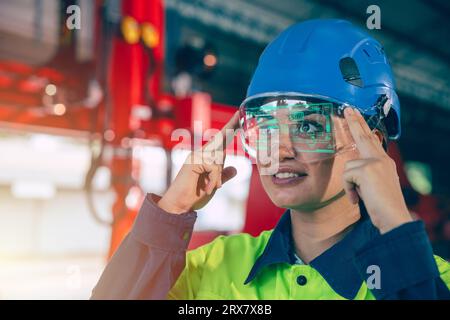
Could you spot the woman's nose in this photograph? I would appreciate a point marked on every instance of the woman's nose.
(285, 145)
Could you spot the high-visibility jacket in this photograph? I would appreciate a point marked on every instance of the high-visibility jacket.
(152, 263)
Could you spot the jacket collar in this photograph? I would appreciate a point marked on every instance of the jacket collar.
(335, 265)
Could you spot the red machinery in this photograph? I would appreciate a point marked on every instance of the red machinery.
(131, 87)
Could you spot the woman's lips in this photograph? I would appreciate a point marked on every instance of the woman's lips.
(288, 178)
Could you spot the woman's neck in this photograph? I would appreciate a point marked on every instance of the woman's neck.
(314, 232)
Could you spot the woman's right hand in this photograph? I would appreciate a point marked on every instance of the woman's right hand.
(201, 174)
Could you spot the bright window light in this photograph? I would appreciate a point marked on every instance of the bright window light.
(33, 190)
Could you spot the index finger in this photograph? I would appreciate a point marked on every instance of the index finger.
(361, 135)
(224, 136)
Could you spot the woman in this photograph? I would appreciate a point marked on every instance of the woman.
(346, 234)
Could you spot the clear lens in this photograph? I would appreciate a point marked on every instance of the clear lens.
(311, 126)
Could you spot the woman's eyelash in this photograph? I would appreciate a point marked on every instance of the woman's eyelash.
(313, 123)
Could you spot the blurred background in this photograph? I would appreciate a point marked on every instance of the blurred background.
(91, 91)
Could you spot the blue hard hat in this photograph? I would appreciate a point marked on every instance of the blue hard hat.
(330, 58)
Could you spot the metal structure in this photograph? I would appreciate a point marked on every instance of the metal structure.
(57, 97)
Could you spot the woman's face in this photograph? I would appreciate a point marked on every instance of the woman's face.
(306, 185)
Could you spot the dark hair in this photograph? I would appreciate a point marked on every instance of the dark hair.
(382, 128)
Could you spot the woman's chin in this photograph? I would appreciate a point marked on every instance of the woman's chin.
(288, 202)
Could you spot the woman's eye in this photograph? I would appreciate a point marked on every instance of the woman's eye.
(309, 127)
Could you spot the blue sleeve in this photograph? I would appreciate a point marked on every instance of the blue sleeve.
(407, 267)
(150, 258)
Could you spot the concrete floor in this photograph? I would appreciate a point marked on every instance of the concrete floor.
(50, 277)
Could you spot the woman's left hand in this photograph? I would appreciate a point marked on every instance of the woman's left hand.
(373, 177)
